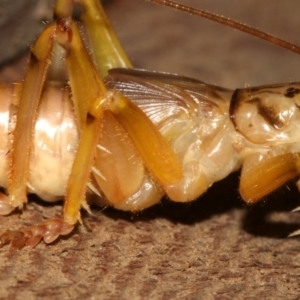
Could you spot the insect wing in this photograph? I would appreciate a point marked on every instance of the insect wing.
(163, 95)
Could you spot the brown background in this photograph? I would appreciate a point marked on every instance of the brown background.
(213, 248)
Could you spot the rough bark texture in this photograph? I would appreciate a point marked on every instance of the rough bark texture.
(213, 248)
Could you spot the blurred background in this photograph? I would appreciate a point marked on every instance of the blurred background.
(160, 38)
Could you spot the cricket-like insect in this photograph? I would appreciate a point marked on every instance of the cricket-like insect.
(134, 136)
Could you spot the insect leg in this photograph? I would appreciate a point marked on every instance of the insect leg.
(107, 50)
(26, 115)
(258, 179)
(91, 101)
(155, 151)
(19, 155)
(119, 170)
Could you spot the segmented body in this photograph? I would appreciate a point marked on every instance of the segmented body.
(213, 130)
(137, 135)
(55, 141)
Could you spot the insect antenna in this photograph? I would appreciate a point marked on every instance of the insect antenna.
(230, 23)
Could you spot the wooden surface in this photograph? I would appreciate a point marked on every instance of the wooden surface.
(213, 248)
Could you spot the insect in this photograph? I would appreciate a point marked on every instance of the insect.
(134, 136)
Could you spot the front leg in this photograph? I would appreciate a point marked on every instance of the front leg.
(91, 100)
(30, 237)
